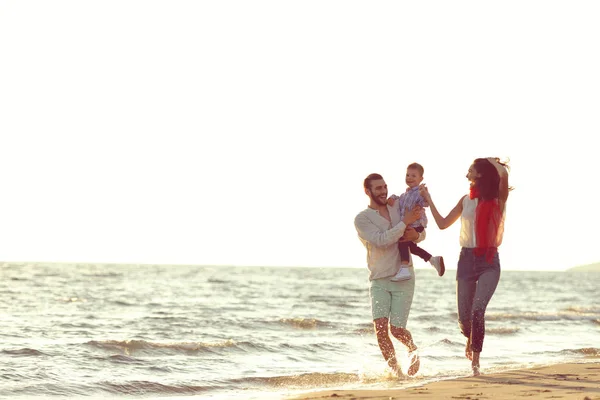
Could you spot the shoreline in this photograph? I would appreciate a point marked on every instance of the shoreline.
(566, 381)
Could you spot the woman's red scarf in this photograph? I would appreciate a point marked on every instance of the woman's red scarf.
(488, 218)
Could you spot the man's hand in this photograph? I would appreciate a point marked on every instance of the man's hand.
(413, 215)
(410, 235)
(391, 201)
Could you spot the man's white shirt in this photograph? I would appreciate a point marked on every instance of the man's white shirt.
(380, 237)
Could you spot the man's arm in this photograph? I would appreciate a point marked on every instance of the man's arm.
(369, 232)
(411, 235)
(422, 236)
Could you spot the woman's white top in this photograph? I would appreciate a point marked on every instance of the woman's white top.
(467, 224)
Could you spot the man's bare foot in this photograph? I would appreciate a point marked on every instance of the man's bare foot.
(476, 370)
(415, 363)
(395, 367)
(397, 372)
(468, 350)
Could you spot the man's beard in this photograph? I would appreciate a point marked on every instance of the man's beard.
(378, 201)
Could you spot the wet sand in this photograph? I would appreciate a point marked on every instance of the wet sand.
(561, 381)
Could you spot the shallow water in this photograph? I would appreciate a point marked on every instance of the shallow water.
(111, 331)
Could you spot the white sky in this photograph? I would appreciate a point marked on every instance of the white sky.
(239, 132)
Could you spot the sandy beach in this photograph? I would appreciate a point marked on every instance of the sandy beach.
(562, 381)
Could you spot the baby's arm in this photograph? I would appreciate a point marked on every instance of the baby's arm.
(392, 199)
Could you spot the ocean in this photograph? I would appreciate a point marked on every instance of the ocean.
(160, 331)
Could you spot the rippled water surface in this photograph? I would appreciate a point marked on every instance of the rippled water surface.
(111, 331)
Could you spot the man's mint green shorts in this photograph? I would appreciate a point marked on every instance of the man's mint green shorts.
(392, 299)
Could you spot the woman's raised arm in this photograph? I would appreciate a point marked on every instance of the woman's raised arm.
(452, 216)
(503, 172)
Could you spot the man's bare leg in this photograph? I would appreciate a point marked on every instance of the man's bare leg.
(385, 345)
(404, 336)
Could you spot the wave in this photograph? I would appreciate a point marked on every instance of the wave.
(216, 280)
(78, 325)
(315, 379)
(350, 305)
(542, 316)
(120, 358)
(443, 342)
(46, 390)
(145, 387)
(72, 300)
(358, 290)
(124, 303)
(583, 310)
(167, 318)
(501, 331)
(364, 331)
(24, 352)
(586, 351)
(348, 301)
(102, 275)
(129, 346)
(436, 317)
(304, 323)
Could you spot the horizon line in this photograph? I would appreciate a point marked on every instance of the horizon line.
(254, 265)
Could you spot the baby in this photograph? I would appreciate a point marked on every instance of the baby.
(407, 200)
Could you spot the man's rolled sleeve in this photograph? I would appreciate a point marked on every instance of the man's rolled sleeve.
(369, 232)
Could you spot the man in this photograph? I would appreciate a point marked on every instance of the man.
(379, 228)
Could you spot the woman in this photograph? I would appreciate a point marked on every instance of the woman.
(482, 225)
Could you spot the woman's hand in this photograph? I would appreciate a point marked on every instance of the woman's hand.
(423, 191)
(495, 161)
(502, 169)
(441, 222)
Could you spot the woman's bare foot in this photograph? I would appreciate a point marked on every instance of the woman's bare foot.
(415, 363)
(476, 371)
(468, 350)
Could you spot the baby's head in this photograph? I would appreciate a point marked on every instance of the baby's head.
(414, 175)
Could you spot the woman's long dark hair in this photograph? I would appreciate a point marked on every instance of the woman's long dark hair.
(488, 184)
